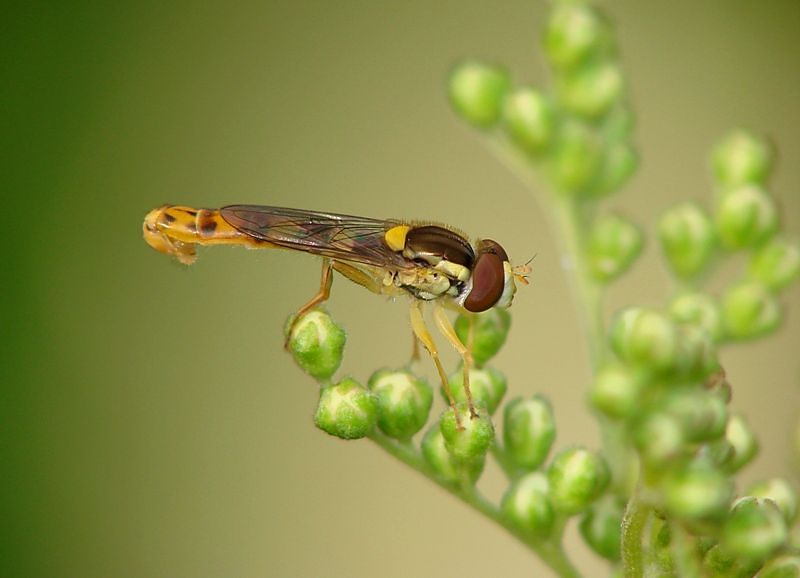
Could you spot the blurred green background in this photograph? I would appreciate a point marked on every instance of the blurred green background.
(152, 424)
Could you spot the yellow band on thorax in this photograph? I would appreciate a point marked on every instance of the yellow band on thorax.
(396, 237)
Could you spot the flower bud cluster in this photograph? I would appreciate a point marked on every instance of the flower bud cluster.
(745, 218)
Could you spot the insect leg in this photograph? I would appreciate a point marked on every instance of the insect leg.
(358, 276)
(446, 328)
(421, 331)
(322, 295)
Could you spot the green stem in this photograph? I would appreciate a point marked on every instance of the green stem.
(569, 221)
(550, 553)
(633, 524)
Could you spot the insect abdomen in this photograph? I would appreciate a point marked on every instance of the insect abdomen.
(175, 230)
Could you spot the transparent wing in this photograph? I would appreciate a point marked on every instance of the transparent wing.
(345, 237)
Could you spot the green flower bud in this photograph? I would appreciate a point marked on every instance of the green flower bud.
(703, 416)
(698, 493)
(317, 343)
(688, 238)
(472, 441)
(404, 402)
(779, 491)
(697, 356)
(781, 567)
(488, 335)
(529, 119)
(744, 442)
(527, 505)
(698, 309)
(618, 164)
(741, 158)
(776, 264)
(346, 410)
(720, 561)
(573, 34)
(718, 452)
(644, 337)
(746, 216)
(601, 527)
(660, 440)
(576, 158)
(614, 243)
(477, 92)
(749, 310)
(529, 429)
(435, 453)
(617, 390)
(577, 478)
(754, 529)
(487, 385)
(591, 91)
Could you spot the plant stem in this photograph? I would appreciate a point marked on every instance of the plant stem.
(568, 223)
(550, 552)
(633, 524)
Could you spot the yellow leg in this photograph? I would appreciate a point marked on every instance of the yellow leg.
(446, 328)
(322, 295)
(421, 331)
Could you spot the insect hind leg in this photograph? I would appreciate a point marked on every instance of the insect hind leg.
(322, 295)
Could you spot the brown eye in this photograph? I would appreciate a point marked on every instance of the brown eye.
(489, 246)
(488, 281)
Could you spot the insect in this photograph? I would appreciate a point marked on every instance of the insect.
(428, 262)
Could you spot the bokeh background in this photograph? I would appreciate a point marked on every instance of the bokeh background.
(152, 424)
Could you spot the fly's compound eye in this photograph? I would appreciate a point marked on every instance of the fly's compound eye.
(488, 281)
(489, 246)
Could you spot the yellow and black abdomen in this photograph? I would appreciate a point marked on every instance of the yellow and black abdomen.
(175, 230)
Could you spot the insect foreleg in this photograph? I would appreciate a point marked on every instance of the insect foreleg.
(421, 331)
(446, 328)
(322, 295)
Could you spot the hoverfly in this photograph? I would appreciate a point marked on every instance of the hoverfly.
(428, 262)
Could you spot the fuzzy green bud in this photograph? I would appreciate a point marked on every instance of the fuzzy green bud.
(697, 356)
(617, 390)
(487, 385)
(591, 91)
(577, 478)
(698, 309)
(660, 439)
(702, 415)
(529, 119)
(779, 491)
(776, 264)
(614, 243)
(576, 158)
(619, 163)
(346, 410)
(741, 158)
(644, 337)
(527, 505)
(745, 217)
(529, 429)
(472, 441)
(781, 567)
(688, 238)
(435, 453)
(477, 92)
(601, 527)
(699, 493)
(749, 310)
(404, 402)
(743, 441)
(754, 530)
(317, 343)
(574, 33)
(489, 333)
